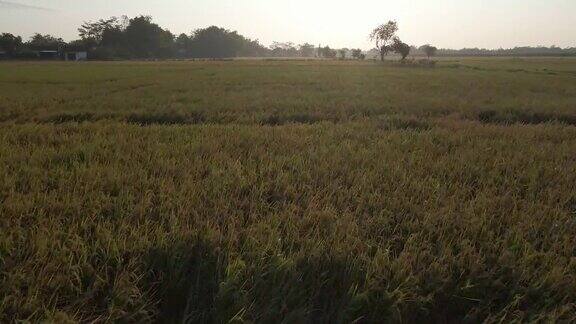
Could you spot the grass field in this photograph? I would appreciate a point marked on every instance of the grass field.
(268, 191)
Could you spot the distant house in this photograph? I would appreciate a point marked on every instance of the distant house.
(75, 55)
(75, 52)
(48, 55)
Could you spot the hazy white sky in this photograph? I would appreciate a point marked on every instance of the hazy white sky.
(337, 23)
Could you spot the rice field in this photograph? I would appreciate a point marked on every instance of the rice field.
(257, 191)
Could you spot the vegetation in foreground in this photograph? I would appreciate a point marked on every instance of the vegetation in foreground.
(297, 191)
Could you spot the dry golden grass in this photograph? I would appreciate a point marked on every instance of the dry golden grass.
(259, 191)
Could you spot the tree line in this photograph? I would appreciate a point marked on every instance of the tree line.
(140, 38)
(516, 51)
(387, 42)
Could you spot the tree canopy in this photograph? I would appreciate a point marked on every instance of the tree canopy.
(9, 43)
(383, 35)
(401, 48)
(45, 42)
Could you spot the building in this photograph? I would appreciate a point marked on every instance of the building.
(48, 55)
(75, 56)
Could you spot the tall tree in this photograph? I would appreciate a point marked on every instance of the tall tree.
(10, 43)
(95, 31)
(383, 36)
(146, 39)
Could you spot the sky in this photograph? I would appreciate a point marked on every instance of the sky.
(337, 23)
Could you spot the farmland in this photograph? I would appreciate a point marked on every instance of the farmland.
(296, 191)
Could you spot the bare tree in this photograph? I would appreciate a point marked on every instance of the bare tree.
(383, 36)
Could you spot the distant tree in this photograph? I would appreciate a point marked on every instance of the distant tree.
(342, 53)
(112, 44)
(401, 48)
(114, 38)
(327, 52)
(76, 45)
(215, 42)
(287, 49)
(383, 36)
(146, 39)
(357, 54)
(306, 50)
(45, 42)
(95, 31)
(183, 45)
(429, 50)
(10, 43)
(250, 48)
(331, 53)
